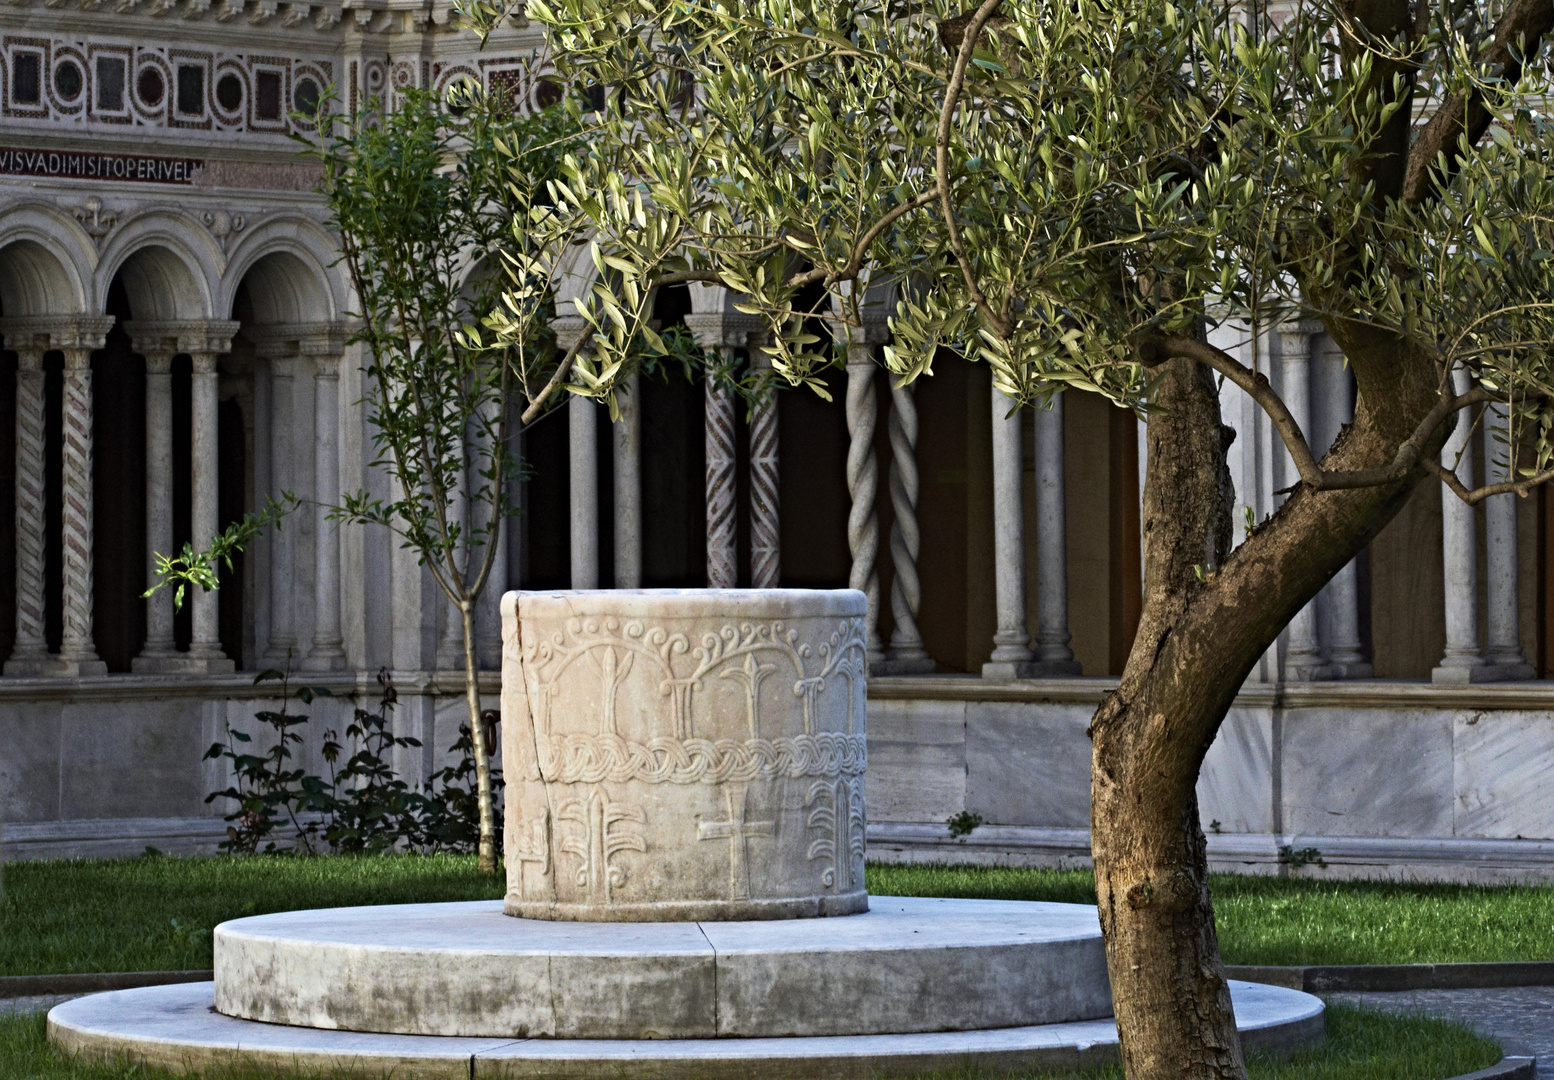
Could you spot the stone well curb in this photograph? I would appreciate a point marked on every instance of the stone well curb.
(1507, 1068)
(1354, 978)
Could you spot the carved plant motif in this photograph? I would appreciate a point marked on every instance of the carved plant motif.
(601, 840)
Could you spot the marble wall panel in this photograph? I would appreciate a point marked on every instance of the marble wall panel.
(1503, 762)
(1367, 772)
(917, 760)
(133, 759)
(1028, 764)
(1235, 786)
(29, 762)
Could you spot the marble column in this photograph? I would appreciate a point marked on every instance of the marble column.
(628, 484)
(1463, 662)
(30, 655)
(1012, 655)
(1504, 651)
(1053, 656)
(205, 643)
(1345, 650)
(583, 461)
(160, 653)
(765, 525)
(722, 537)
(327, 652)
(76, 646)
(493, 534)
(906, 655)
(1303, 660)
(863, 488)
(283, 634)
(719, 330)
(450, 645)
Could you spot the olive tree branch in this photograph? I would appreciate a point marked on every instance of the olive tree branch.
(1255, 385)
(952, 91)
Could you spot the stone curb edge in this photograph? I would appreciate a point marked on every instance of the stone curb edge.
(1508, 1068)
(16, 986)
(1313, 980)
(1383, 977)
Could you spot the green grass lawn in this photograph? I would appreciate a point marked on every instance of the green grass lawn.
(1360, 1045)
(156, 913)
(1266, 920)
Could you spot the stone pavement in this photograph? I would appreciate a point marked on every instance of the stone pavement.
(1522, 1018)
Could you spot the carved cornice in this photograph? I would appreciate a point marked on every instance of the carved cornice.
(283, 342)
(194, 337)
(46, 332)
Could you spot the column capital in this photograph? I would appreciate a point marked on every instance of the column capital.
(285, 341)
(719, 330)
(860, 312)
(1296, 334)
(48, 332)
(187, 336)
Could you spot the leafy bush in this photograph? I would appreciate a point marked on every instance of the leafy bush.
(362, 806)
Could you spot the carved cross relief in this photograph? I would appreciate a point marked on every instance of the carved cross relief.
(737, 831)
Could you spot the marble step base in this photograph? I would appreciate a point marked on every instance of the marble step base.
(176, 1027)
(465, 969)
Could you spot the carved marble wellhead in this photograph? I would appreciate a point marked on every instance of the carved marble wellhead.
(684, 754)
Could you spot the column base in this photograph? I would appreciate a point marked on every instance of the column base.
(1308, 672)
(1512, 670)
(326, 658)
(1465, 674)
(1356, 670)
(903, 665)
(182, 664)
(1030, 669)
(52, 665)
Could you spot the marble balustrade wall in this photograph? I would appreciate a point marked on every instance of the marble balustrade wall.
(1404, 781)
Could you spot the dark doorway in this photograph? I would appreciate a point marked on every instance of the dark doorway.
(118, 494)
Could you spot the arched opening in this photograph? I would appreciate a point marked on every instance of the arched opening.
(266, 422)
(33, 282)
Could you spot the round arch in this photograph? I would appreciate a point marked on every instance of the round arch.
(169, 263)
(35, 280)
(284, 267)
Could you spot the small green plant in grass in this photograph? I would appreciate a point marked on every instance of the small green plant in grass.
(963, 824)
(1296, 858)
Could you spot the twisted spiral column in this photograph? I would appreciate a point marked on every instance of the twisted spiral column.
(76, 646)
(862, 486)
(906, 655)
(722, 548)
(765, 532)
(31, 648)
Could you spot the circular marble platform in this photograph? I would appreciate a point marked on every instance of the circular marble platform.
(467, 970)
(176, 1027)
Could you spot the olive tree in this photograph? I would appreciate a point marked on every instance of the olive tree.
(1070, 190)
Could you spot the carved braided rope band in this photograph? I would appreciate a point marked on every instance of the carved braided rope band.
(590, 759)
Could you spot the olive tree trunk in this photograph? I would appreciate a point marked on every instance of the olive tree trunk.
(1209, 614)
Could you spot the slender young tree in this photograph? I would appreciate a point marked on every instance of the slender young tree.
(1069, 190)
(424, 200)
(443, 217)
